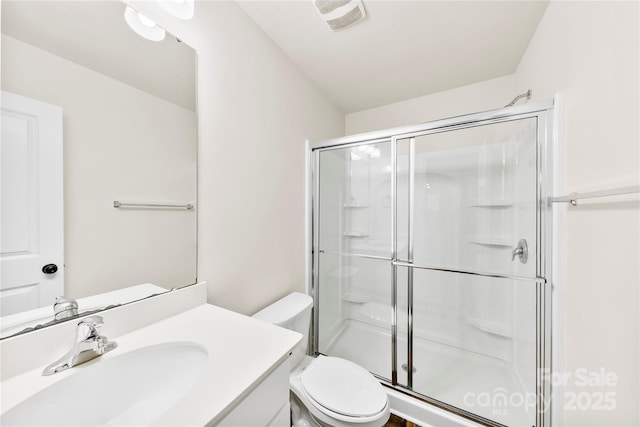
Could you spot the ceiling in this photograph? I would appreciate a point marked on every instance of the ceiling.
(402, 49)
(94, 34)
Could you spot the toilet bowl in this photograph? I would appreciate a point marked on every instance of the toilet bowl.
(325, 391)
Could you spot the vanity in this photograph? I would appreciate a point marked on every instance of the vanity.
(214, 367)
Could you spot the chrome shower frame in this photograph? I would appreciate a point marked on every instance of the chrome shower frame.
(544, 112)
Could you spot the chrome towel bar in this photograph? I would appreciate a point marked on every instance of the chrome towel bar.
(117, 204)
(574, 197)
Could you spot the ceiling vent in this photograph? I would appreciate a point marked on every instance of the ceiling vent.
(339, 14)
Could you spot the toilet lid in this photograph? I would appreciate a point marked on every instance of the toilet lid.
(343, 387)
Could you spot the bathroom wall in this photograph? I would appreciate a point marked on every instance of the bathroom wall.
(464, 100)
(255, 110)
(105, 248)
(588, 52)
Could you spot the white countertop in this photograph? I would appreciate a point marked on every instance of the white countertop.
(242, 352)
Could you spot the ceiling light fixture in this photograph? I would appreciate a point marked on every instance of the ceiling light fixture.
(339, 14)
(182, 9)
(143, 26)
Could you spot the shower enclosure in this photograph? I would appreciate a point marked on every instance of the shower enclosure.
(430, 260)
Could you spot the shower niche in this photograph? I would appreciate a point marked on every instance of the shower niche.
(430, 260)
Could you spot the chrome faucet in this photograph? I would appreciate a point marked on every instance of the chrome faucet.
(65, 308)
(88, 345)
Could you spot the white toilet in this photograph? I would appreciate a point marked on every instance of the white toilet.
(326, 391)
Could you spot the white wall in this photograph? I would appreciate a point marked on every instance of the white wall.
(119, 144)
(588, 52)
(482, 96)
(255, 110)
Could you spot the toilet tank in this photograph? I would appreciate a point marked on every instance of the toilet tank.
(292, 312)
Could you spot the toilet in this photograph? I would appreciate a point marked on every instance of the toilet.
(325, 391)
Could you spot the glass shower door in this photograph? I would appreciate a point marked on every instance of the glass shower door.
(474, 197)
(468, 275)
(353, 239)
(430, 261)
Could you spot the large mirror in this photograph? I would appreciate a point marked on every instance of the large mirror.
(99, 148)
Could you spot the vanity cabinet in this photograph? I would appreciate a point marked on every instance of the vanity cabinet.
(266, 405)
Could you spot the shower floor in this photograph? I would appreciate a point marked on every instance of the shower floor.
(474, 382)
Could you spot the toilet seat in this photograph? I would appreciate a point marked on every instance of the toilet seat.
(326, 417)
(342, 387)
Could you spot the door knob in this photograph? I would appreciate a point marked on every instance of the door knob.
(521, 251)
(49, 269)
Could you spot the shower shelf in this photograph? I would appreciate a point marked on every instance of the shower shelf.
(491, 327)
(355, 234)
(490, 203)
(489, 241)
(354, 206)
(355, 297)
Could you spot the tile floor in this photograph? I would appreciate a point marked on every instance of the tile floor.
(396, 421)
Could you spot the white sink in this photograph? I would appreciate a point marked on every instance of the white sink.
(132, 389)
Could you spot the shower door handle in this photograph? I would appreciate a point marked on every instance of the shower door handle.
(521, 251)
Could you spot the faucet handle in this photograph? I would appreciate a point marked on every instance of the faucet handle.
(100, 343)
(521, 251)
(92, 321)
(88, 327)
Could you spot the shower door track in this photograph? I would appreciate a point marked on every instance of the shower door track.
(510, 113)
(428, 400)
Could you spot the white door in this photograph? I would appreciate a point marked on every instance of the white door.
(32, 223)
